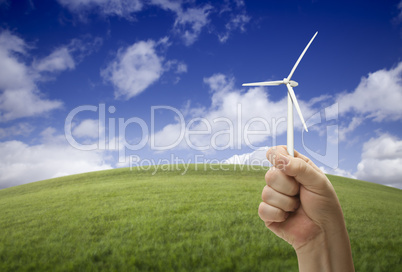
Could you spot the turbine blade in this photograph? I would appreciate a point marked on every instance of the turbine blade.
(294, 100)
(301, 56)
(265, 83)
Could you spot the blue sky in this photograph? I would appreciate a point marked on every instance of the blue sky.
(87, 85)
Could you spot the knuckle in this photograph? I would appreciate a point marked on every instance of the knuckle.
(270, 152)
(271, 177)
(301, 167)
(291, 205)
(294, 190)
(268, 223)
(270, 155)
(279, 215)
(287, 204)
(267, 175)
(265, 194)
(261, 210)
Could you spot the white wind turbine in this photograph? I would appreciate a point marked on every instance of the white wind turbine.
(291, 99)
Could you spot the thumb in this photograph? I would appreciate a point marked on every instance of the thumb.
(307, 175)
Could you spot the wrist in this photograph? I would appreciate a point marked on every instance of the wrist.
(314, 255)
(329, 251)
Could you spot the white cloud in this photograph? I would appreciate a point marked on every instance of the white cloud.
(24, 102)
(19, 95)
(381, 161)
(14, 73)
(59, 60)
(83, 46)
(378, 96)
(235, 16)
(338, 172)
(177, 67)
(181, 68)
(238, 21)
(134, 69)
(23, 129)
(168, 4)
(10, 42)
(257, 157)
(190, 20)
(344, 131)
(189, 23)
(239, 3)
(121, 8)
(53, 157)
(67, 57)
(88, 128)
(231, 113)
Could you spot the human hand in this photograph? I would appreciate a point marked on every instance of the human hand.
(300, 206)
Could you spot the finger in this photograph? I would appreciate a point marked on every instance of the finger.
(270, 213)
(278, 200)
(282, 183)
(273, 153)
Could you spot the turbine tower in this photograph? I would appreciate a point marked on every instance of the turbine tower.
(291, 99)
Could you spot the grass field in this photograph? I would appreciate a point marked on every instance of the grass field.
(205, 220)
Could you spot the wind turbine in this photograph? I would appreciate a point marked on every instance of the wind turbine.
(291, 99)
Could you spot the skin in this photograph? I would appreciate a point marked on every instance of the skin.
(301, 207)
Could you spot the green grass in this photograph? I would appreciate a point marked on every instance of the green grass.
(122, 220)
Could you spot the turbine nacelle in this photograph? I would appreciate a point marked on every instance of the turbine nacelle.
(293, 83)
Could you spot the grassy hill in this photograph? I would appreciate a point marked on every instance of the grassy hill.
(205, 220)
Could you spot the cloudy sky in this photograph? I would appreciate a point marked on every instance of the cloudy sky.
(87, 85)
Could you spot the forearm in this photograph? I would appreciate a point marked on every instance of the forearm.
(327, 252)
(316, 228)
